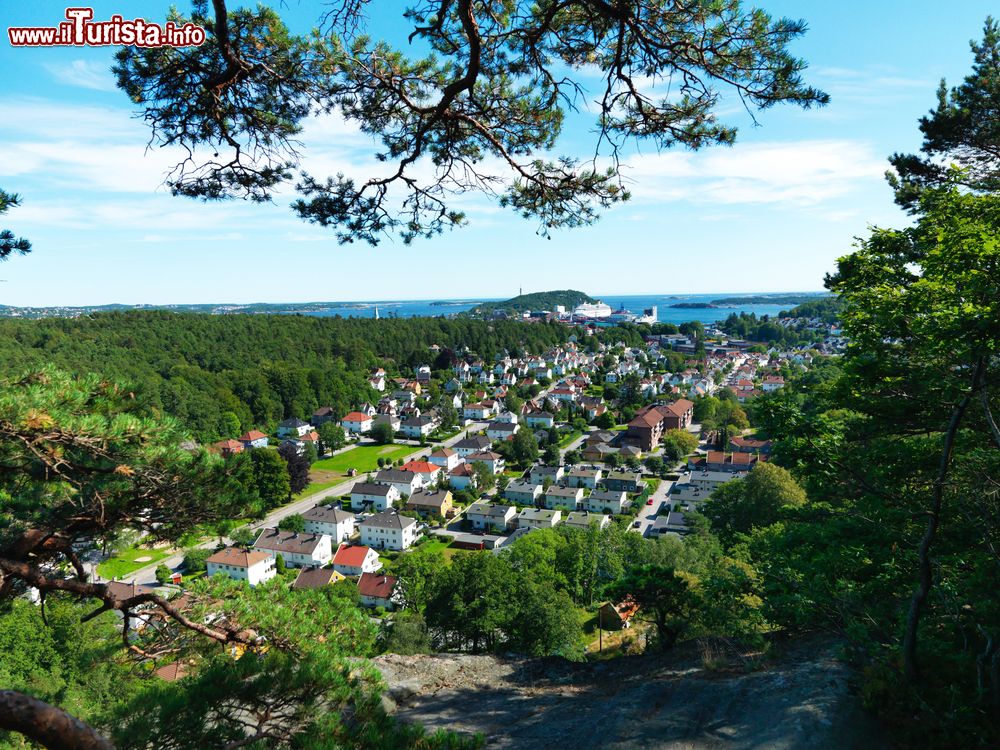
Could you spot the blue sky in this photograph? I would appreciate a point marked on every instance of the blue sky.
(771, 213)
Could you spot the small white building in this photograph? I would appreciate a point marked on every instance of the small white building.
(377, 496)
(603, 501)
(353, 561)
(485, 516)
(297, 550)
(405, 482)
(388, 530)
(523, 493)
(332, 520)
(566, 498)
(251, 566)
(534, 518)
(356, 423)
(582, 519)
(446, 458)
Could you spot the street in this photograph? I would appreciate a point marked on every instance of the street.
(148, 573)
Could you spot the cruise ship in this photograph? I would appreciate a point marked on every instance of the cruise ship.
(596, 310)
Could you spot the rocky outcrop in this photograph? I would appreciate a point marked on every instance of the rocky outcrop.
(798, 699)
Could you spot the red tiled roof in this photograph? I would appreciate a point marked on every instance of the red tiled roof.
(420, 467)
(252, 435)
(171, 672)
(356, 416)
(352, 556)
(376, 585)
(240, 558)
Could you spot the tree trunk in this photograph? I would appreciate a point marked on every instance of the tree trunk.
(47, 725)
(910, 666)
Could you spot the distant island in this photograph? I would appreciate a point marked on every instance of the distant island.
(693, 305)
(567, 298)
(769, 299)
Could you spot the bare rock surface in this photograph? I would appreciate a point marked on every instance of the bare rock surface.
(799, 698)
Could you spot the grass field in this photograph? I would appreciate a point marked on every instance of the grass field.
(569, 438)
(126, 561)
(364, 458)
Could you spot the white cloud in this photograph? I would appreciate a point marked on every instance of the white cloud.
(801, 173)
(86, 74)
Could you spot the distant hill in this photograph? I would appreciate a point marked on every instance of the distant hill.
(568, 298)
(770, 299)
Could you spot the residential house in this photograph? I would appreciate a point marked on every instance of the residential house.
(581, 477)
(772, 383)
(617, 616)
(540, 420)
(332, 520)
(535, 518)
(227, 448)
(477, 411)
(607, 501)
(253, 439)
(523, 493)
(646, 428)
(582, 519)
(501, 430)
(390, 419)
(298, 549)
(323, 415)
(251, 566)
(721, 461)
(418, 427)
(494, 461)
(563, 497)
(428, 472)
(678, 415)
(378, 590)
(461, 477)
(749, 445)
(315, 578)
(446, 458)
(355, 561)
(356, 423)
(376, 495)
(406, 482)
(629, 481)
(388, 530)
(540, 473)
(293, 428)
(431, 503)
(474, 444)
(485, 516)
(672, 523)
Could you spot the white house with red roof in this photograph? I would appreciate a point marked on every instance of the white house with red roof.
(356, 561)
(378, 590)
(356, 423)
(252, 566)
(253, 439)
(427, 471)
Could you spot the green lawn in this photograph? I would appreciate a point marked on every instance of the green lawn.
(364, 458)
(125, 562)
(435, 545)
(569, 438)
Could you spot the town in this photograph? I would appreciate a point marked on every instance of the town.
(483, 453)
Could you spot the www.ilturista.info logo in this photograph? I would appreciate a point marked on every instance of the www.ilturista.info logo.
(80, 30)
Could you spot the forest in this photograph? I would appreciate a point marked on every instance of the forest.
(224, 374)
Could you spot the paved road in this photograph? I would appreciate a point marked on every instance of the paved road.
(647, 513)
(148, 574)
